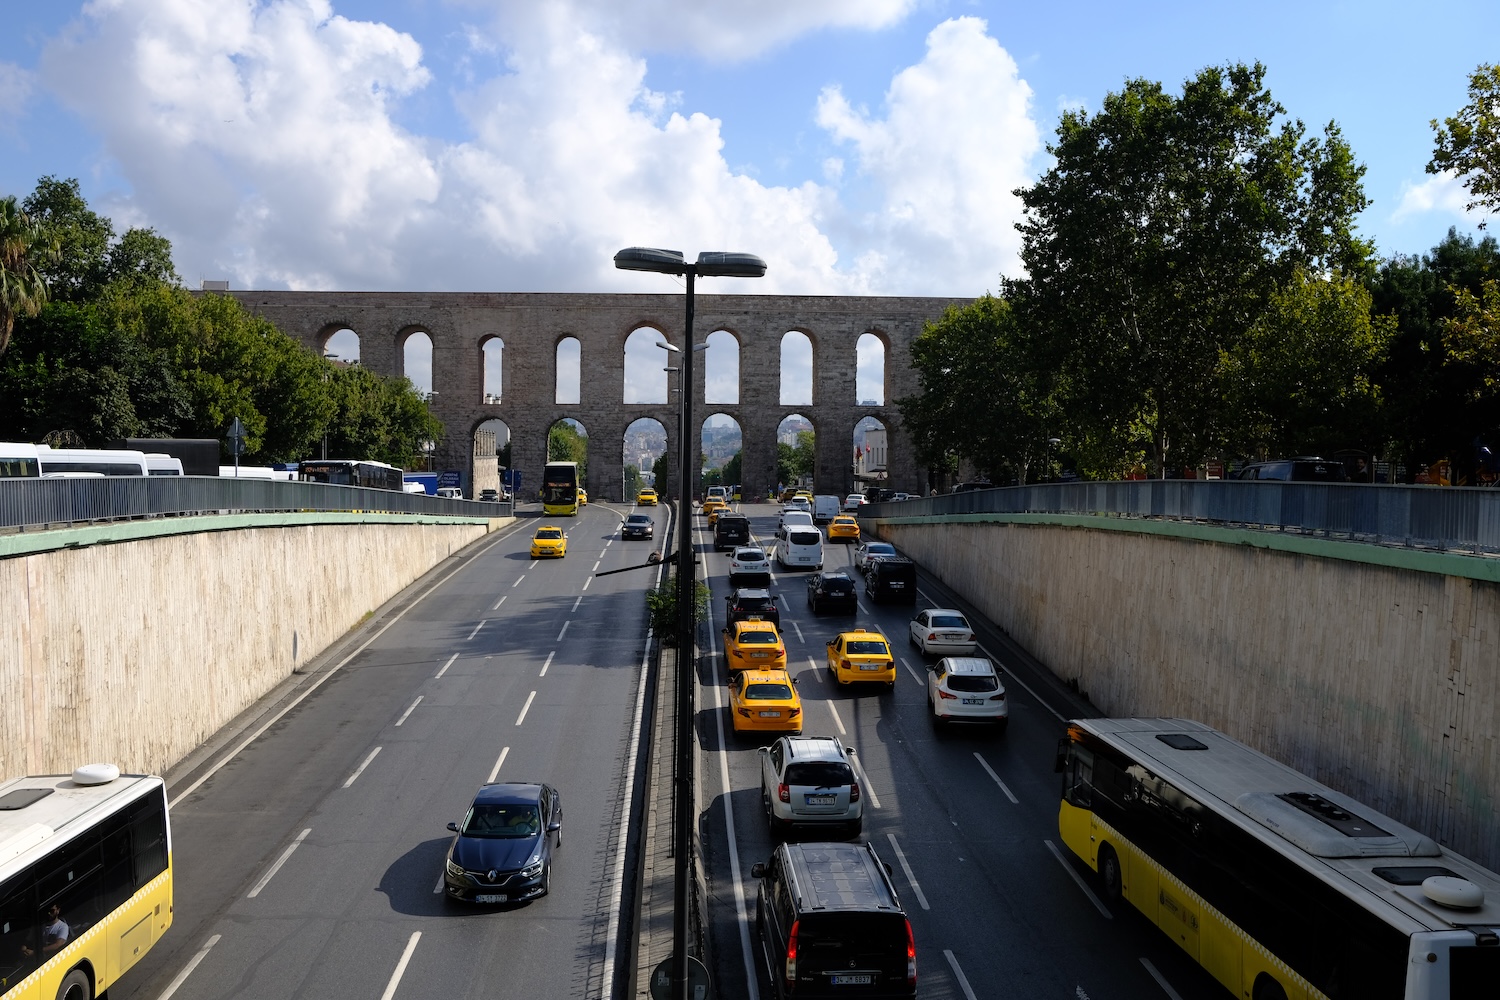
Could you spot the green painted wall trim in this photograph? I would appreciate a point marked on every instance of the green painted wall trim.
(31, 542)
(1473, 567)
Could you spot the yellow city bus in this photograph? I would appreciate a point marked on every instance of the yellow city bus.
(560, 489)
(1279, 886)
(85, 880)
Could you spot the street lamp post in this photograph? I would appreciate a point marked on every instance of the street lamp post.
(735, 265)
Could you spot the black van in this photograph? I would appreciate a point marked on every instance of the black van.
(891, 578)
(830, 924)
(731, 530)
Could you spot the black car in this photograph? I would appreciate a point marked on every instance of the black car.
(503, 851)
(891, 578)
(752, 602)
(830, 924)
(638, 526)
(731, 530)
(832, 591)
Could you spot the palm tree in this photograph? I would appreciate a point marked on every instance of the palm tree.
(22, 243)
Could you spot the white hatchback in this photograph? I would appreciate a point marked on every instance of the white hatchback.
(967, 689)
(943, 632)
(747, 561)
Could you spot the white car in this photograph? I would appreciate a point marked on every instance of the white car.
(854, 502)
(808, 781)
(868, 552)
(943, 632)
(799, 503)
(791, 518)
(967, 689)
(748, 561)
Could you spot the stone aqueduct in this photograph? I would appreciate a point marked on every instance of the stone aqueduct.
(531, 325)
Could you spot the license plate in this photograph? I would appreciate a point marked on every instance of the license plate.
(872, 666)
(820, 800)
(864, 979)
(896, 584)
(759, 656)
(489, 899)
(973, 701)
(953, 637)
(770, 715)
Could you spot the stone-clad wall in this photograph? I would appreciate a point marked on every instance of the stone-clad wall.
(1382, 682)
(136, 653)
(532, 324)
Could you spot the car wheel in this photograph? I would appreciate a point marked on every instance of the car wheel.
(546, 879)
(855, 828)
(75, 986)
(890, 686)
(1109, 873)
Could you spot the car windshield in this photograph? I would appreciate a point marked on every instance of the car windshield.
(502, 820)
(639, 519)
(949, 621)
(768, 692)
(867, 647)
(549, 533)
(758, 638)
(972, 683)
(819, 773)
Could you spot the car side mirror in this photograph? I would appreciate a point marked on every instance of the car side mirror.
(888, 869)
(553, 827)
(453, 827)
(758, 870)
(762, 749)
(1060, 762)
(932, 666)
(850, 751)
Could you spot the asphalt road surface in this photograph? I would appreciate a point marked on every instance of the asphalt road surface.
(308, 863)
(968, 821)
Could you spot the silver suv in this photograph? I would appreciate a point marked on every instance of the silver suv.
(808, 781)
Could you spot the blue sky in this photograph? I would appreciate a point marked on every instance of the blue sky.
(860, 146)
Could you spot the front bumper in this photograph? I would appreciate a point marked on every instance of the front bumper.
(474, 888)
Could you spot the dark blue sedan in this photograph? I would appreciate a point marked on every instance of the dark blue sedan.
(503, 851)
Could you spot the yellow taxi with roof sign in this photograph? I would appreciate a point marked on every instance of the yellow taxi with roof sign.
(843, 528)
(549, 540)
(712, 505)
(764, 701)
(646, 497)
(753, 644)
(861, 656)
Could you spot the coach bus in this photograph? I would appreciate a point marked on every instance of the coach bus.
(344, 472)
(19, 461)
(560, 488)
(1279, 886)
(85, 880)
(90, 461)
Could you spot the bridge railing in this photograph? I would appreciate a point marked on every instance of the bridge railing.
(1465, 519)
(37, 503)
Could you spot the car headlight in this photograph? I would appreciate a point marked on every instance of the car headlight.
(455, 870)
(532, 870)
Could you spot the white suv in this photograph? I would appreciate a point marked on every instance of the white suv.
(967, 689)
(809, 781)
(748, 561)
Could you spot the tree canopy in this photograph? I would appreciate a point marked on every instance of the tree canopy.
(1468, 144)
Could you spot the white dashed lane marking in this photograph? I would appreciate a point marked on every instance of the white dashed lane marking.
(1077, 878)
(549, 663)
(266, 878)
(901, 857)
(409, 710)
(361, 768)
(445, 667)
(476, 629)
(991, 771)
(525, 708)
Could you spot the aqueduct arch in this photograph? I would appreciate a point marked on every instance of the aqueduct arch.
(532, 324)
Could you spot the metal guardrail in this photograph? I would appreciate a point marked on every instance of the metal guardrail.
(1463, 519)
(37, 503)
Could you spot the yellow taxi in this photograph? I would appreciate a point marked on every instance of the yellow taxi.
(843, 528)
(583, 497)
(549, 540)
(803, 495)
(764, 701)
(712, 506)
(862, 657)
(753, 644)
(646, 497)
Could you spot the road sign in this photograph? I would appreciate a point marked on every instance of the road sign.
(661, 980)
(236, 429)
(450, 477)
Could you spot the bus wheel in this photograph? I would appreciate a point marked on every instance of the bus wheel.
(1109, 871)
(75, 986)
(1267, 988)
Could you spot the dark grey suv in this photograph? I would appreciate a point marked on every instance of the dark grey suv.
(830, 924)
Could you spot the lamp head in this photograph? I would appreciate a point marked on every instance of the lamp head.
(651, 259)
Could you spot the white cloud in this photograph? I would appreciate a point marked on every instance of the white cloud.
(1440, 193)
(16, 85)
(262, 139)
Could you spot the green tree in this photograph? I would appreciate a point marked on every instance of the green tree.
(732, 469)
(26, 250)
(566, 444)
(660, 471)
(90, 257)
(1157, 239)
(794, 462)
(1468, 144)
(632, 481)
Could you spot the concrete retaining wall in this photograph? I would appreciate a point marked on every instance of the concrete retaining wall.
(1380, 680)
(136, 653)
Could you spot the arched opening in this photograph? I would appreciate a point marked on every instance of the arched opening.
(343, 346)
(569, 370)
(492, 457)
(869, 370)
(492, 356)
(645, 377)
(796, 452)
(723, 451)
(869, 458)
(721, 368)
(416, 361)
(568, 441)
(644, 456)
(796, 369)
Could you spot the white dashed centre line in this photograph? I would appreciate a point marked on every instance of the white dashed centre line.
(798, 629)
(586, 584)
(914, 675)
(534, 562)
(266, 878)
(495, 771)
(836, 720)
(564, 630)
(497, 604)
(901, 857)
(1081, 883)
(411, 946)
(477, 628)
(409, 710)
(578, 602)
(187, 970)
(549, 663)
(525, 708)
(991, 771)
(596, 566)
(519, 579)
(361, 768)
(1161, 980)
(445, 667)
(1055, 712)
(963, 980)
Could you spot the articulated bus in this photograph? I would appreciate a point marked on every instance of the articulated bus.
(1279, 886)
(85, 880)
(560, 488)
(344, 472)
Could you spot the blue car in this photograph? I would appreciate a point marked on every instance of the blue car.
(503, 851)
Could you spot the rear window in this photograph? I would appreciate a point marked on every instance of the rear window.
(758, 638)
(971, 684)
(949, 621)
(819, 773)
(768, 692)
(867, 647)
(839, 586)
(804, 538)
(880, 550)
(750, 555)
(854, 930)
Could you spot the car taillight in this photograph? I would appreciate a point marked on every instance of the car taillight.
(911, 956)
(946, 695)
(794, 713)
(973, 637)
(998, 697)
(745, 712)
(783, 792)
(791, 954)
(932, 637)
(853, 791)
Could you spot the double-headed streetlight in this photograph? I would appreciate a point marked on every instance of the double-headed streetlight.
(727, 265)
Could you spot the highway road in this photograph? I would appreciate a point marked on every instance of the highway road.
(968, 821)
(308, 847)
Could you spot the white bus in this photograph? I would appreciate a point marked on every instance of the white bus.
(1276, 884)
(105, 463)
(19, 461)
(163, 465)
(85, 880)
